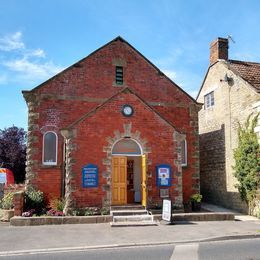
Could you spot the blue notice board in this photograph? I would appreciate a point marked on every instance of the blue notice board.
(89, 176)
(163, 175)
(2, 178)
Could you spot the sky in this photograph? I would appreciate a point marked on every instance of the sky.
(38, 39)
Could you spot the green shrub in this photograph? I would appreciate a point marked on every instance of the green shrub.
(247, 160)
(196, 197)
(35, 200)
(78, 212)
(7, 201)
(90, 211)
(104, 211)
(57, 204)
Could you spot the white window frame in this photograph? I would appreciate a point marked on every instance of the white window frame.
(56, 157)
(127, 154)
(185, 154)
(209, 100)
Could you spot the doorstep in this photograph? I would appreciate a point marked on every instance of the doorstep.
(199, 216)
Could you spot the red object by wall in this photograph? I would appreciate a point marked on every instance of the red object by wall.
(9, 176)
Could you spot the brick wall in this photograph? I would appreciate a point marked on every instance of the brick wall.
(69, 95)
(91, 149)
(218, 50)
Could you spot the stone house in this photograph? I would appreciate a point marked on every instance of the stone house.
(230, 93)
(112, 129)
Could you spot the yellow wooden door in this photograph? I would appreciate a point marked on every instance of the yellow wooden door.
(144, 193)
(119, 185)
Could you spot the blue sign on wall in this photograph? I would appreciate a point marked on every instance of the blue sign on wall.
(2, 178)
(89, 176)
(163, 175)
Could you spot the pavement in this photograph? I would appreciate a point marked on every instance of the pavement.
(26, 239)
(238, 216)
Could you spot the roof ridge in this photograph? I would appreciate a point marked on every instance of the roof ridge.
(241, 61)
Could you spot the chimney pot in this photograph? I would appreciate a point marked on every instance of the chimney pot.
(218, 50)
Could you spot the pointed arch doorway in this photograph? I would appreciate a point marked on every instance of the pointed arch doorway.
(128, 173)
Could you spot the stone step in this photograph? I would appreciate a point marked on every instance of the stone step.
(127, 207)
(129, 212)
(133, 223)
(133, 218)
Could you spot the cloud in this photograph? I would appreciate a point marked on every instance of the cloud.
(33, 70)
(35, 53)
(11, 42)
(22, 64)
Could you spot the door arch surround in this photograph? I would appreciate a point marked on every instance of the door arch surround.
(107, 161)
(126, 147)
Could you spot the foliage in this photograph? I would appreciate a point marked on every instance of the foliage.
(90, 211)
(35, 200)
(104, 211)
(57, 204)
(28, 213)
(7, 201)
(53, 212)
(247, 160)
(13, 151)
(78, 212)
(196, 197)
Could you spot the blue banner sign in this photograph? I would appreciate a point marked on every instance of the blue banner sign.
(89, 176)
(2, 177)
(163, 175)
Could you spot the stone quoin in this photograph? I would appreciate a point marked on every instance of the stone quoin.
(117, 111)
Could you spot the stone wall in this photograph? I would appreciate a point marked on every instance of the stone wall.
(218, 126)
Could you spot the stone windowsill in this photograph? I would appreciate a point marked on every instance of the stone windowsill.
(50, 166)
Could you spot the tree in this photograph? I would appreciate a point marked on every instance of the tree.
(13, 151)
(247, 160)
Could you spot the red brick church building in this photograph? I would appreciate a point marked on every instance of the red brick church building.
(112, 129)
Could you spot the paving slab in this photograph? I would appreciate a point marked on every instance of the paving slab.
(102, 235)
(238, 216)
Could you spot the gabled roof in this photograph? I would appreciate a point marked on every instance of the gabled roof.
(249, 71)
(124, 90)
(119, 38)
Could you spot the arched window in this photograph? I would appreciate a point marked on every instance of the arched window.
(50, 144)
(126, 147)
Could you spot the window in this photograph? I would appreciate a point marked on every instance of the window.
(119, 75)
(209, 100)
(126, 147)
(50, 144)
(184, 153)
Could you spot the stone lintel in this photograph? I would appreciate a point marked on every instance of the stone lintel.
(68, 133)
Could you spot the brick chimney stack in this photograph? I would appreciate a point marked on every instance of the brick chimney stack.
(218, 50)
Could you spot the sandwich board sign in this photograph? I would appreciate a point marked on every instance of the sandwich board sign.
(167, 210)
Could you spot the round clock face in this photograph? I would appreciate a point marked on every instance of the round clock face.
(127, 110)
